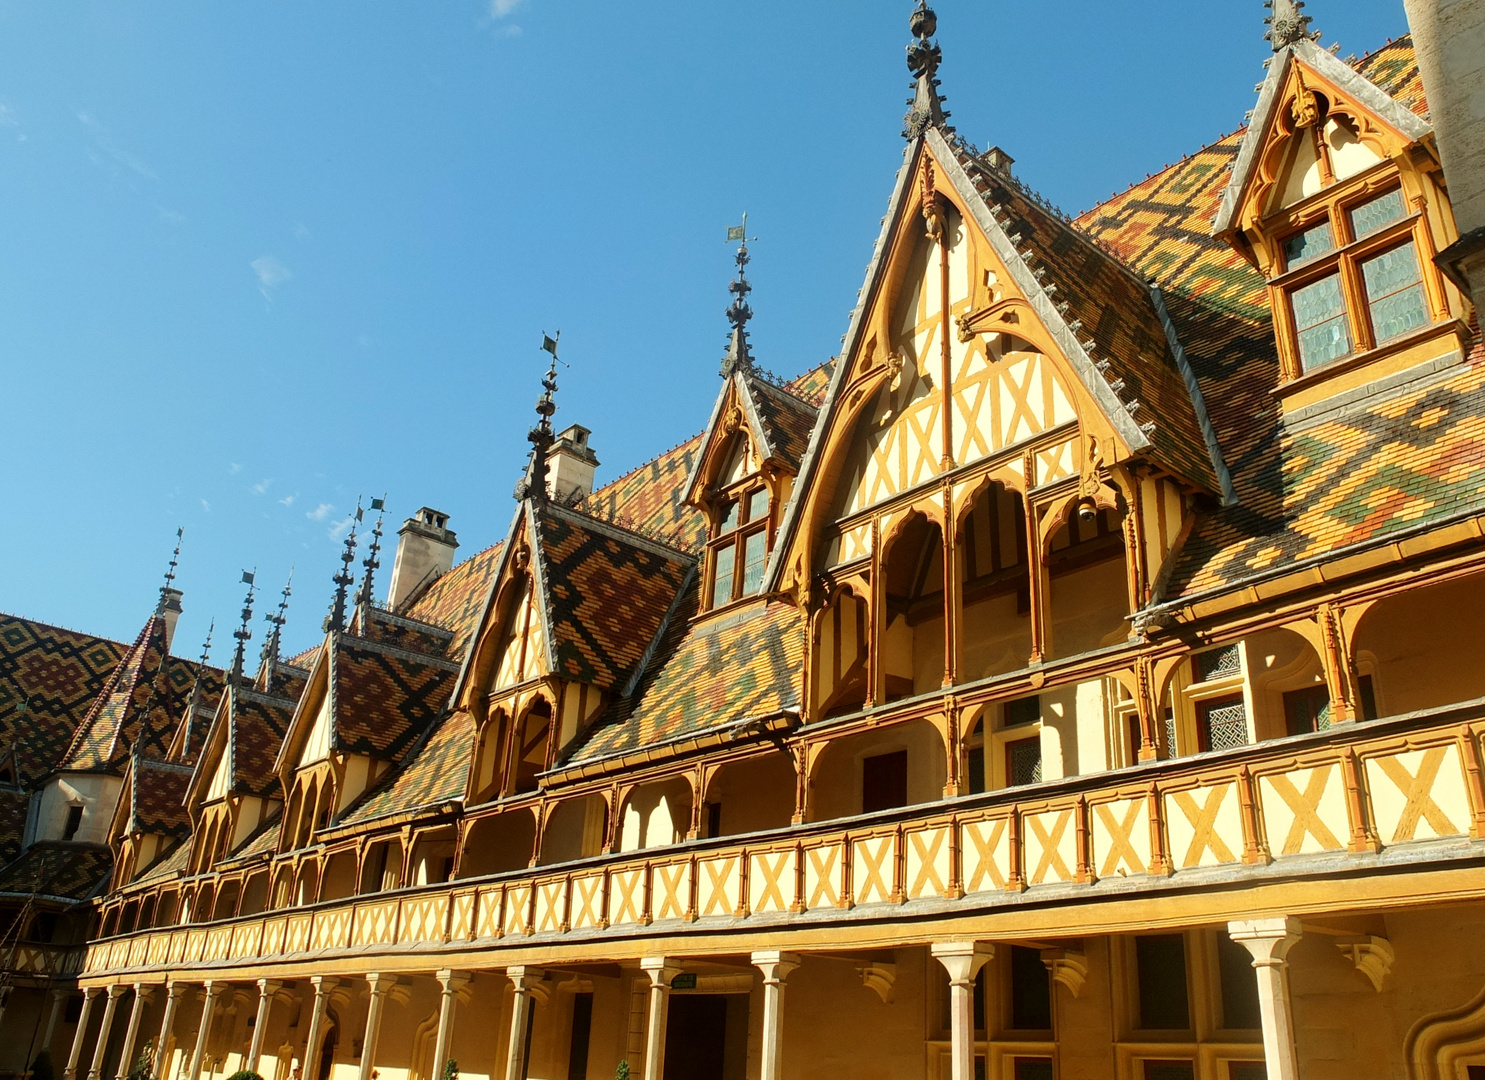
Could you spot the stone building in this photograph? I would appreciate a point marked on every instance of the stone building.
(1078, 677)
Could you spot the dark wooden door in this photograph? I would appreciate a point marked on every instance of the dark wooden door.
(696, 1037)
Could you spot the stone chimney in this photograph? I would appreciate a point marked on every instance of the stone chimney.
(169, 610)
(571, 465)
(425, 552)
(997, 159)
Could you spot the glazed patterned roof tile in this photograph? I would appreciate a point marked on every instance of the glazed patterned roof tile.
(14, 804)
(1117, 313)
(811, 386)
(403, 632)
(437, 773)
(706, 676)
(57, 674)
(648, 500)
(384, 697)
(172, 865)
(787, 420)
(455, 599)
(607, 594)
(134, 708)
(1394, 69)
(263, 842)
(258, 723)
(157, 797)
(58, 870)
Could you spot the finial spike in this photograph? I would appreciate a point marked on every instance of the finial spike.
(739, 355)
(371, 563)
(1288, 25)
(277, 619)
(926, 107)
(534, 486)
(244, 633)
(169, 586)
(335, 621)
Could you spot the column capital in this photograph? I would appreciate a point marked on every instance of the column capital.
(660, 969)
(270, 986)
(118, 990)
(1268, 940)
(176, 990)
(962, 959)
(324, 984)
(380, 983)
(90, 992)
(214, 988)
(452, 981)
(776, 966)
(524, 976)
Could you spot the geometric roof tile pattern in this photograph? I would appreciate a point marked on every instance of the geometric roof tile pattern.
(402, 632)
(787, 420)
(384, 698)
(453, 601)
(257, 724)
(157, 797)
(58, 870)
(436, 774)
(15, 802)
(134, 708)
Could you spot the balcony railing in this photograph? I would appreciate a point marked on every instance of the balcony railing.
(29, 960)
(1358, 788)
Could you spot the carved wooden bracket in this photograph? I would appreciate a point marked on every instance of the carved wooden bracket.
(1068, 967)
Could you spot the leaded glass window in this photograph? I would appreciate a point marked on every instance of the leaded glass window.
(1320, 319)
(1023, 762)
(1223, 723)
(1394, 292)
(1371, 216)
(1310, 244)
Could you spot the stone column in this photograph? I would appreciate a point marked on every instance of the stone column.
(660, 974)
(963, 960)
(379, 985)
(91, 992)
(142, 995)
(266, 989)
(214, 990)
(452, 982)
(59, 998)
(1269, 940)
(322, 987)
(173, 993)
(776, 967)
(522, 979)
(116, 991)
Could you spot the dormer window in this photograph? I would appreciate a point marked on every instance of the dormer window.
(739, 545)
(1352, 278)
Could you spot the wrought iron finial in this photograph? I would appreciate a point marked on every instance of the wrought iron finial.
(739, 356)
(1288, 24)
(335, 621)
(200, 667)
(926, 106)
(371, 564)
(276, 619)
(534, 486)
(244, 633)
(169, 586)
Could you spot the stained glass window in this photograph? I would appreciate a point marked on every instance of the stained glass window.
(1320, 318)
(1394, 291)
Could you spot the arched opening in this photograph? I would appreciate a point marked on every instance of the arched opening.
(147, 912)
(226, 903)
(750, 795)
(306, 891)
(202, 908)
(110, 923)
(289, 823)
(433, 856)
(254, 894)
(1287, 685)
(324, 808)
(903, 765)
(381, 869)
(498, 843)
(1417, 650)
(165, 910)
(655, 815)
(842, 644)
(531, 746)
(1089, 584)
(912, 591)
(129, 918)
(339, 880)
(283, 888)
(995, 625)
(575, 830)
(485, 784)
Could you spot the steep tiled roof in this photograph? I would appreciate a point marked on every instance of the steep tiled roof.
(58, 870)
(454, 600)
(403, 632)
(384, 697)
(58, 674)
(436, 774)
(14, 804)
(157, 797)
(1394, 68)
(707, 675)
(787, 420)
(648, 500)
(172, 865)
(134, 708)
(607, 593)
(257, 726)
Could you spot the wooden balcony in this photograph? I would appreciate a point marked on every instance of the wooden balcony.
(1404, 791)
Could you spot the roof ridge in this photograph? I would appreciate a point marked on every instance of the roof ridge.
(628, 532)
(65, 629)
(1156, 175)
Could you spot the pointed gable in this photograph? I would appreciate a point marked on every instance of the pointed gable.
(157, 797)
(134, 708)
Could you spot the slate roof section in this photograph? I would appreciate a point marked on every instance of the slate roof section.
(58, 870)
(705, 676)
(436, 774)
(15, 802)
(157, 797)
(607, 593)
(384, 697)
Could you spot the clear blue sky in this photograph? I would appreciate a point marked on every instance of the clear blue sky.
(256, 259)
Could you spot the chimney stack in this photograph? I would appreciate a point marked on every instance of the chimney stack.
(170, 610)
(572, 464)
(425, 552)
(999, 160)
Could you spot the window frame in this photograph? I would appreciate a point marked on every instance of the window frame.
(736, 537)
(1333, 205)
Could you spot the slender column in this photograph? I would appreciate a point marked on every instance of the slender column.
(962, 960)
(110, 1007)
(451, 982)
(379, 984)
(214, 990)
(89, 994)
(142, 995)
(776, 967)
(660, 975)
(322, 986)
(520, 1010)
(173, 993)
(266, 989)
(59, 998)
(1269, 940)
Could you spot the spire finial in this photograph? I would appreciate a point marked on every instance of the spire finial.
(243, 634)
(739, 356)
(926, 106)
(169, 586)
(534, 486)
(364, 596)
(335, 621)
(277, 619)
(200, 667)
(1288, 24)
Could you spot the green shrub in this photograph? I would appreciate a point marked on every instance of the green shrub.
(244, 1074)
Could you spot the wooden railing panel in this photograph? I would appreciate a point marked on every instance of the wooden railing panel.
(824, 875)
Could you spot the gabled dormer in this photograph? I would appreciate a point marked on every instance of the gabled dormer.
(1337, 197)
(151, 818)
